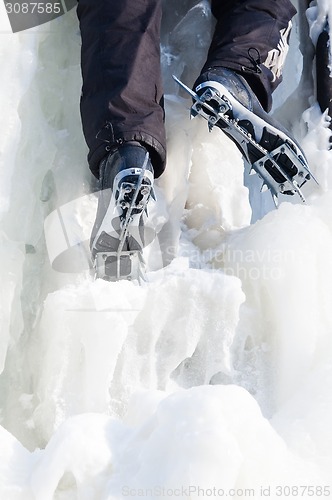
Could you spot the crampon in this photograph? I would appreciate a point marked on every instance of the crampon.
(118, 245)
(283, 168)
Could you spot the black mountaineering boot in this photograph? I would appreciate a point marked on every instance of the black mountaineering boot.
(119, 233)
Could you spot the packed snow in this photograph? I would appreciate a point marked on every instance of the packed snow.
(214, 377)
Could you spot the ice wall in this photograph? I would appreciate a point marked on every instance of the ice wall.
(215, 375)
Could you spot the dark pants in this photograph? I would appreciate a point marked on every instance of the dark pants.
(122, 96)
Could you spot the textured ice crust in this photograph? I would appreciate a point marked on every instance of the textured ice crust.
(215, 375)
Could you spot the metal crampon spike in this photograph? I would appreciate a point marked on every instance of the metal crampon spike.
(275, 199)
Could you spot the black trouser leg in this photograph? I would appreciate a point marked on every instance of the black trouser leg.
(122, 91)
(251, 37)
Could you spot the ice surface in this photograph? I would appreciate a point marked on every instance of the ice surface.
(317, 15)
(215, 375)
